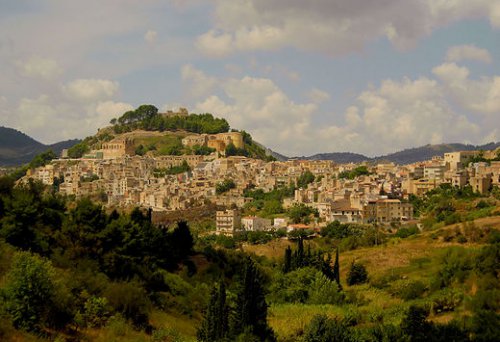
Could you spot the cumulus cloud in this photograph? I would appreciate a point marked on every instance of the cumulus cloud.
(480, 96)
(261, 107)
(91, 89)
(318, 96)
(66, 119)
(151, 36)
(200, 84)
(110, 109)
(468, 52)
(213, 44)
(395, 115)
(39, 67)
(332, 26)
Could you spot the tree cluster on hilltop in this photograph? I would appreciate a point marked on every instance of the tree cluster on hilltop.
(147, 117)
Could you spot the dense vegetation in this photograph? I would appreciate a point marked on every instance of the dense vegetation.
(356, 172)
(147, 117)
(447, 205)
(69, 269)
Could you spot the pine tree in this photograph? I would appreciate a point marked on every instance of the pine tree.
(251, 307)
(336, 269)
(215, 324)
(287, 264)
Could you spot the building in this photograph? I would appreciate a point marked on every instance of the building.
(481, 183)
(183, 112)
(386, 211)
(117, 148)
(434, 172)
(455, 161)
(217, 141)
(228, 222)
(280, 222)
(254, 223)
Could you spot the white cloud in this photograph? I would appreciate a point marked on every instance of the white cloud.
(261, 107)
(215, 45)
(479, 96)
(91, 89)
(199, 84)
(67, 120)
(468, 52)
(39, 67)
(151, 36)
(395, 115)
(318, 96)
(334, 27)
(110, 109)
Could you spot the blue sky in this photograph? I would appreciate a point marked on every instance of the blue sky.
(302, 77)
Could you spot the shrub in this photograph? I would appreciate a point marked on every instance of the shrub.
(130, 299)
(357, 274)
(33, 297)
(96, 311)
(324, 291)
(405, 232)
(411, 290)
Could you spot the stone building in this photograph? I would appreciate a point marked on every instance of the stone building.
(228, 222)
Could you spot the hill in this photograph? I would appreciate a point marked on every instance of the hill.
(17, 148)
(340, 157)
(407, 156)
(159, 134)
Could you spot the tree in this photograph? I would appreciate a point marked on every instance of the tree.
(305, 178)
(336, 269)
(357, 274)
(300, 213)
(215, 324)
(324, 329)
(414, 324)
(181, 240)
(251, 306)
(31, 292)
(287, 264)
(224, 186)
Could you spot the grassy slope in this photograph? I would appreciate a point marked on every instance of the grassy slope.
(411, 259)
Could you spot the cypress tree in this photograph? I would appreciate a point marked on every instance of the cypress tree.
(336, 269)
(300, 253)
(215, 324)
(251, 307)
(287, 264)
(326, 266)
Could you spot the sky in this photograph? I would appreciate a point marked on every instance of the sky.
(303, 77)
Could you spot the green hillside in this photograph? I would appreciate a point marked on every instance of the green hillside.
(72, 271)
(160, 135)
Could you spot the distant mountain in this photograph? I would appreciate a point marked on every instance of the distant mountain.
(270, 152)
(426, 152)
(407, 156)
(340, 157)
(17, 148)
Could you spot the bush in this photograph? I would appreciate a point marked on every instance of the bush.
(96, 311)
(357, 274)
(324, 291)
(405, 232)
(131, 300)
(33, 296)
(411, 290)
(323, 329)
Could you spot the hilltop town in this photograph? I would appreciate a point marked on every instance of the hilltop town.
(121, 175)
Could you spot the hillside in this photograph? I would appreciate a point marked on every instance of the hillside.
(158, 134)
(406, 156)
(17, 148)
